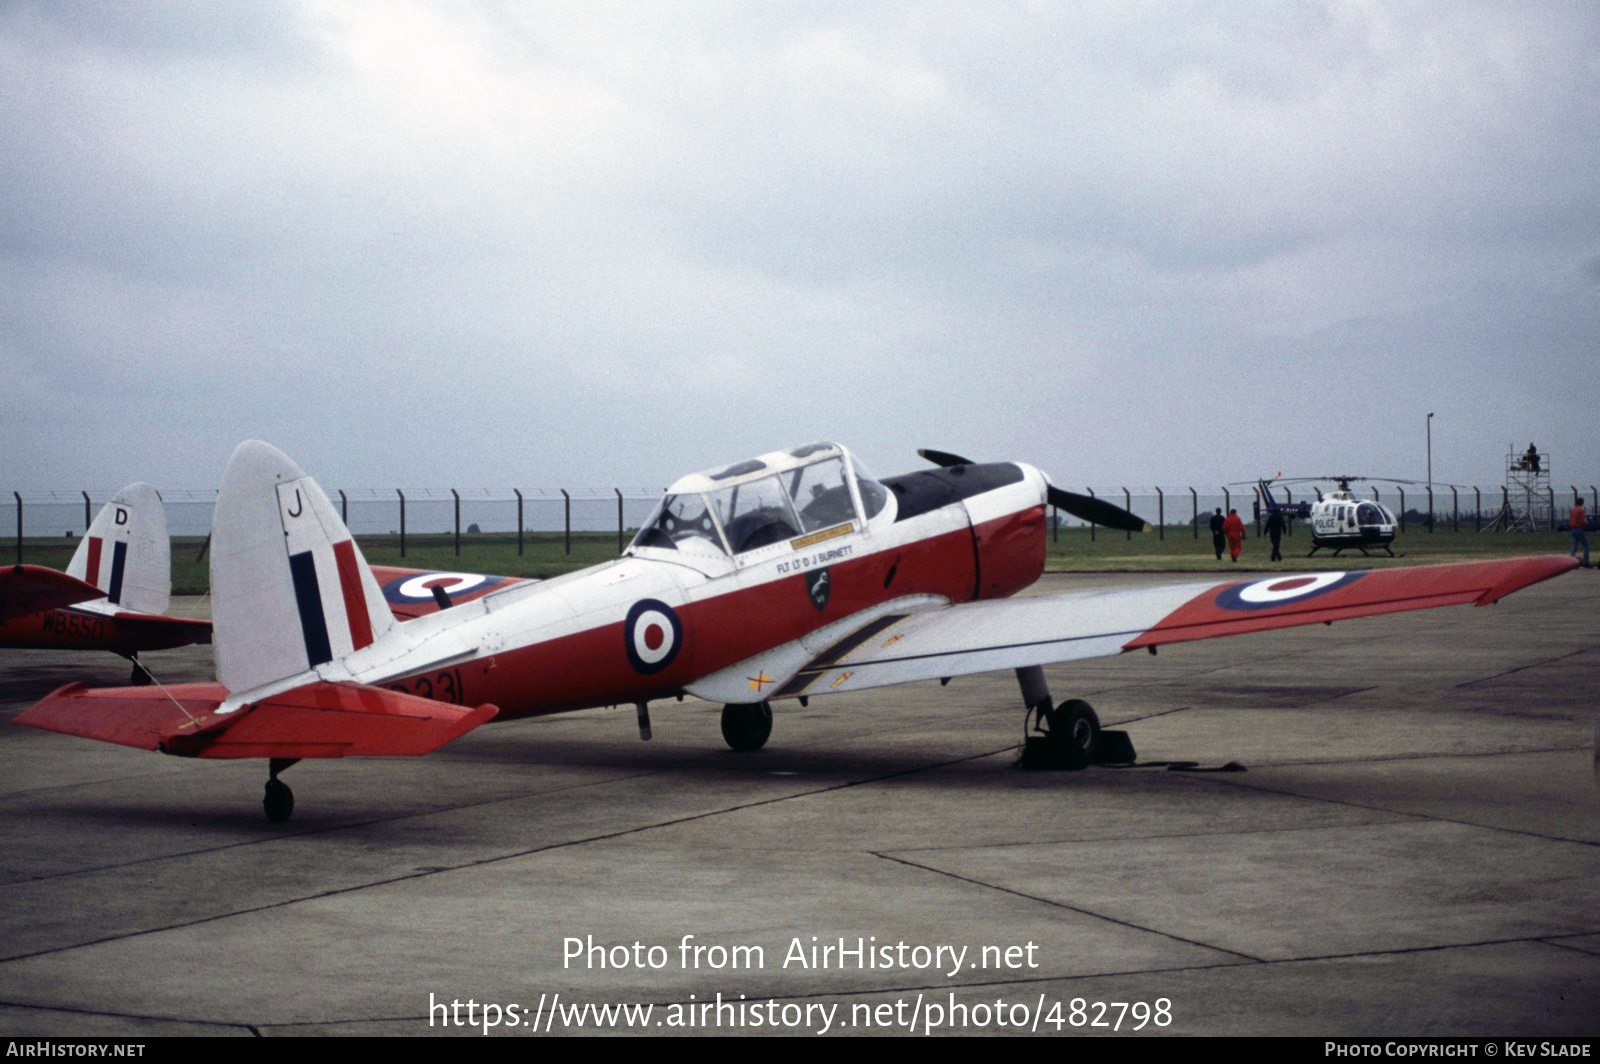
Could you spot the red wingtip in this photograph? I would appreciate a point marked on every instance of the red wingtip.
(1531, 571)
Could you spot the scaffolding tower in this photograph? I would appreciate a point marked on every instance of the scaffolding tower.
(1527, 504)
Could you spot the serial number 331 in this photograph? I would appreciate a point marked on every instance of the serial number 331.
(441, 687)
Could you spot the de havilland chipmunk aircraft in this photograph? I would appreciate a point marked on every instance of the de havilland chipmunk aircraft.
(113, 593)
(795, 574)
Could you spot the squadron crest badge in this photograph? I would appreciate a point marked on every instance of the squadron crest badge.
(818, 586)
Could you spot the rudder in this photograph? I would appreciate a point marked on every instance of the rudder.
(290, 589)
(126, 552)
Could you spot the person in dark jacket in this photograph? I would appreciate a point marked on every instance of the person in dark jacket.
(1218, 540)
(1274, 528)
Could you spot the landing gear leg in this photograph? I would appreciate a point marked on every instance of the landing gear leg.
(279, 800)
(140, 677)
(747, 727)
(1068, 736)
(1050, 738)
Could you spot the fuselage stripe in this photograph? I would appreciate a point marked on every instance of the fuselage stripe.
(308, 596)
(119, 561)
(355, 602)
(92, 570)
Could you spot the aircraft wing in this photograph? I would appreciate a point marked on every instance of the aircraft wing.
(410, 592)
(319, 719)
(1011, 633)
(33, 588)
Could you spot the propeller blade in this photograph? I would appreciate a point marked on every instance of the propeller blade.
(944, 458)
(1089, 508)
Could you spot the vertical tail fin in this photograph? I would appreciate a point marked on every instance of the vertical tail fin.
(126, 553)
(290, 589)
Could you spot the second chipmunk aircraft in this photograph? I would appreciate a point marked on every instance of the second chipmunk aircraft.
(794, 574)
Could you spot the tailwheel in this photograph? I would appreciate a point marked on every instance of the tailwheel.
(746, 727)
(278, 803)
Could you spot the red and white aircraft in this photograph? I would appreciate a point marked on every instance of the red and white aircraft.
(792, 575)
(113, 593)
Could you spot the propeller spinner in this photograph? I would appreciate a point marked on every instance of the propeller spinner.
(1083, 507)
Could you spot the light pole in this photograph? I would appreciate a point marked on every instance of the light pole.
(1430, 471)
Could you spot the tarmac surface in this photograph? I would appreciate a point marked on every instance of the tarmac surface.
(1413, 849)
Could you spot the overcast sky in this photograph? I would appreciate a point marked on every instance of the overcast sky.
(523, 244)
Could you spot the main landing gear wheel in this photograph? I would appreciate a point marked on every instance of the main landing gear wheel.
(278, 803)
(1066, 737)
(746, 727)
(1073, 732)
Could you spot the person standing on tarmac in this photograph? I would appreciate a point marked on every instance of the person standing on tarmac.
(1218, 541)
(1233, 529)
(1275, 526)
(1577, 521)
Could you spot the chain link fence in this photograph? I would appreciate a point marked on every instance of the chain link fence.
(403, 518)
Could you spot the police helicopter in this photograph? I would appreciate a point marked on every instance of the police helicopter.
(1339, 520)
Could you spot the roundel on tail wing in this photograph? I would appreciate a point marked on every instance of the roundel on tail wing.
(1282, 590)
(651, 635)
(418, 587)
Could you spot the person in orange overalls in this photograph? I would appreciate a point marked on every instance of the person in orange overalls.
(1577, 522)
(1233, 528)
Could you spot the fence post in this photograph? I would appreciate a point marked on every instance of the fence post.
(568, 499)
(1594, 496)
(1227, 500)
(1127, 504)
(402, 495)
(18, 496)
(1430, 509)
(1288, 499)
(519, 522)
(1505, 498)
(1552, 509)
(1577, 500)
(1089, 490)
(1402, 492)
(1194, 500)
(619, 519)
(88, 518)
(458, 521)
(1161, 515)
(1477, 508)
(1455, 510)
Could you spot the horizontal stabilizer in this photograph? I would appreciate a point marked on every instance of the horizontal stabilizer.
(28, 589)
(411, 593)
(155, 632)
(317, 720)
